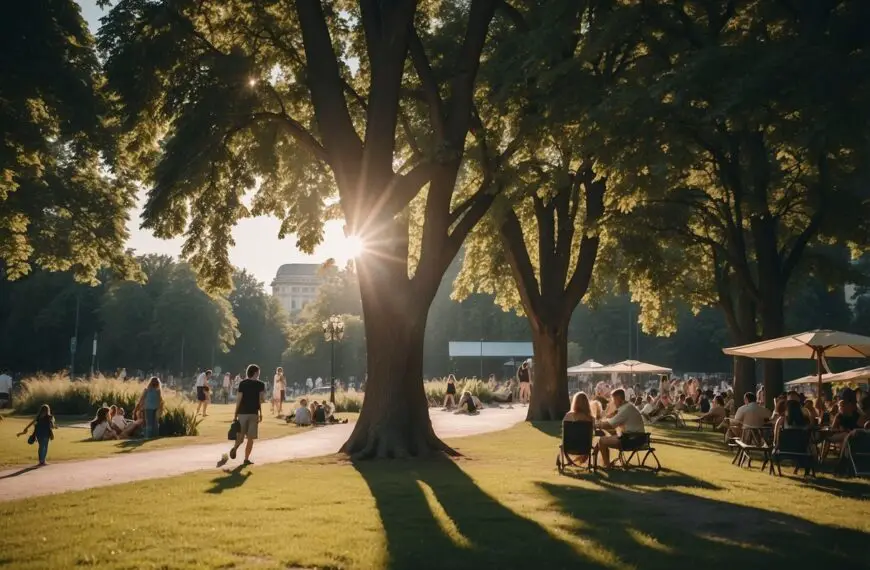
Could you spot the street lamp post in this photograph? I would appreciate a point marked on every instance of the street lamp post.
(333, 330)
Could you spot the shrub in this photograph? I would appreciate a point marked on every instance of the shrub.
(437, 389)
(82, 398)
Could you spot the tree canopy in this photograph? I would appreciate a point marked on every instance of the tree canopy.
(60, 207)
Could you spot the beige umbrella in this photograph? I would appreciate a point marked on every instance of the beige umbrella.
(813, 345)
(633, 367)
(588, 367)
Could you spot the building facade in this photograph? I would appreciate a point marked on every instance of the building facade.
(296, 285)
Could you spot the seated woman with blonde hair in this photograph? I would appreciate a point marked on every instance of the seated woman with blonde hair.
(581, 411)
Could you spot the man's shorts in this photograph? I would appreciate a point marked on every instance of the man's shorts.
(250, 425)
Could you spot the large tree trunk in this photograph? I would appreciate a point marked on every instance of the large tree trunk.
(772, 326)
(394, 421)
(744, 378)
(549, 399)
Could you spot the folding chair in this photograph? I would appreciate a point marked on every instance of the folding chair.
(576, 440)
(795, 445)
(671, 414)
(856, 453)
(754, 440)
(634, 444)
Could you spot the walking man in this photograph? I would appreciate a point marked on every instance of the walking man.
(202, 390)
(249, 413)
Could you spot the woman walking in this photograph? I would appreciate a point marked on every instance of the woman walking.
(43, 431)
(279, 390)
(152, 404)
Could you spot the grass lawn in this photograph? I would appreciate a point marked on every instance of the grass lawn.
(74, 443)
(502, 506)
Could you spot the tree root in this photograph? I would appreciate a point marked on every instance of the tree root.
(386, 444)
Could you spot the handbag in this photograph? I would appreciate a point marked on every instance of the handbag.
(32, 439)
(235, 428)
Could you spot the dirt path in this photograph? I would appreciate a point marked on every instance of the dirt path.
(79, 475)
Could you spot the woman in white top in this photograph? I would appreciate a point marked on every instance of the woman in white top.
(279, 390)
(101, 429)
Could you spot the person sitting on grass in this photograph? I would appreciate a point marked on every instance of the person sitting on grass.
(43, 431)
(319, 415)
(302, 415)
(101, 429)
(466, 405)
(450, 394)
(329, 407)
(622, 427)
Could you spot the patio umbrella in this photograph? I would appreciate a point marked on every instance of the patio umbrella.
(588, 367)
(633, 367)
(813, 345)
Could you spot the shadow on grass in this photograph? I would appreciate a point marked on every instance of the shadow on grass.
(128, 445)
(20, 472)
(635, 477)
(666, 529)
(435, 516)
(848, 489)
(232, 479)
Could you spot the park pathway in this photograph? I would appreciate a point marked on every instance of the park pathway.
(126, 468)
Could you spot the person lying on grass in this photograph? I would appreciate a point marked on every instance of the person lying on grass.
(43, 431)
(101, 427)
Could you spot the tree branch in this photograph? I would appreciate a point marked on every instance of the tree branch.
(514, 245)
(340, 138)
(298, 132)
(430, 85)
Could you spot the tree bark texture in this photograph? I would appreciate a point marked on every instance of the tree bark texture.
(394, 421)
(549, 399)
(550, 303)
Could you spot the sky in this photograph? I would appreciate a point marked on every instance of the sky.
(257, 249)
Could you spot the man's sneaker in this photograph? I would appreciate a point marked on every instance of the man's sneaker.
(247, 462)
(223, 460)
(233, 453)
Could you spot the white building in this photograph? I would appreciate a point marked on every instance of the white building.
(296, 285)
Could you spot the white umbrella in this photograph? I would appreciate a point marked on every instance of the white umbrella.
(588, 367)
(812, 379)
(633, 367)
(812, 345)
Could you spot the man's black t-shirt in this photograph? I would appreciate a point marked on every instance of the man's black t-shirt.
(250, 391)
(523, 374)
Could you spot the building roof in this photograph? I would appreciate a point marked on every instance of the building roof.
(481, 349)
(299, 269)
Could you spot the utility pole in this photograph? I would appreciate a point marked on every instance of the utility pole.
(75, 338)
(94, 355)
(630, 331)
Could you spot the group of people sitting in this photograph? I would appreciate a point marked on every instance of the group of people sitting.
(314, 413)
(110, 422)
(848, 412)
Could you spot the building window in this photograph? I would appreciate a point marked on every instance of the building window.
(293, 304)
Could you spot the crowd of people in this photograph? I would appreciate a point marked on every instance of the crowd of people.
(619, 413)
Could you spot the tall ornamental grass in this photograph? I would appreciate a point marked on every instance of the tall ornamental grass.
(83, 397)
(437, 389)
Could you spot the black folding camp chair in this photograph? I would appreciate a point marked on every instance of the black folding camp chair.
(576, 441)
(856, 453)
(794, 445)
(635, 444)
